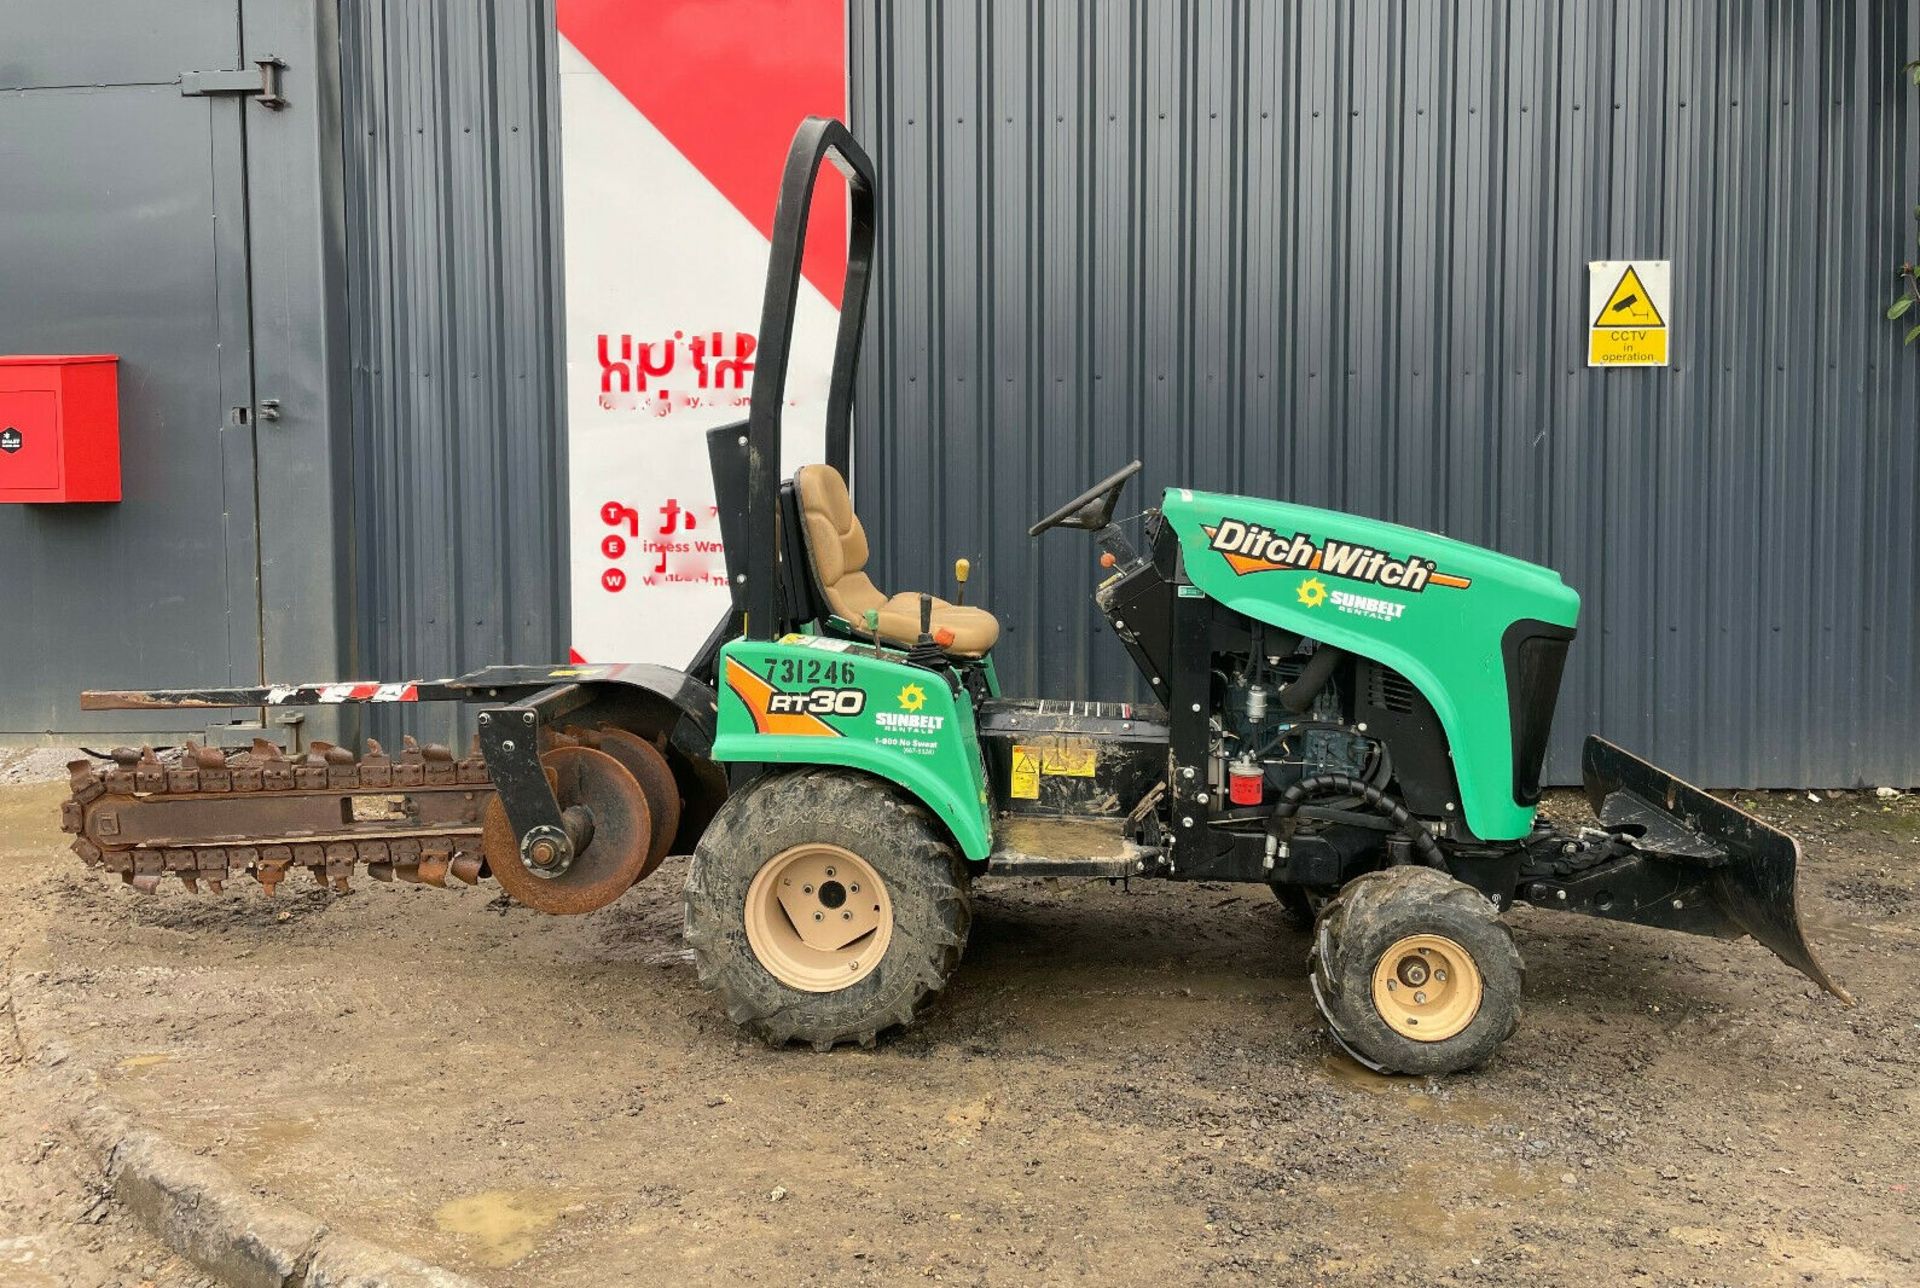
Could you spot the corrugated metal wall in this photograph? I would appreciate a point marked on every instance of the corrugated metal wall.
(453, 229)
(1336, 252)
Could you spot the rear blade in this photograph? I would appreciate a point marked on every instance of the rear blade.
(1750, 867)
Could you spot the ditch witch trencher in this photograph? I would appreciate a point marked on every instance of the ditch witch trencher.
(1350, 712)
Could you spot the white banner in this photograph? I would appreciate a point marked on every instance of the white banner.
(665, 272)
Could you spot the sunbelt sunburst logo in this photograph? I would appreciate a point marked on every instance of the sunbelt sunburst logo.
(1251, 547)
(909, 718)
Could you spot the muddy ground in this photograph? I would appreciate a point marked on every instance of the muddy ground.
(1123, 1087)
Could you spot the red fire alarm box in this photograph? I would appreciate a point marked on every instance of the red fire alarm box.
(59, 428)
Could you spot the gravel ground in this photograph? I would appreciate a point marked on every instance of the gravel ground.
(1123, 1087)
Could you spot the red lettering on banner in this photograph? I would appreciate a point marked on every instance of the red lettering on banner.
(630, 368)
(613, 514)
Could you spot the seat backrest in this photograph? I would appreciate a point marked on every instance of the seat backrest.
(836, 543)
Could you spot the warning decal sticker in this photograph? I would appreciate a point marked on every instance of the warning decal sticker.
(1628, 303)
(1023, 776)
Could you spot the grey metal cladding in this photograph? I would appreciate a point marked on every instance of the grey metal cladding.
(451, 137)
(1336, 252)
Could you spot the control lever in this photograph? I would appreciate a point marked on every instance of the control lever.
(872, 619)
(962, 568)
(928, 651)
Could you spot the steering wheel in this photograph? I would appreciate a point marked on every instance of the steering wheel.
(1092, 510)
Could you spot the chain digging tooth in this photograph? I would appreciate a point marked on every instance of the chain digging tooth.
(435, 858)
(272, 868)
(144, 882)
(472, 769)
(376, 767)
(89, 853)
(204, 757)
(467, 869)
(310, 771)
(380, 871)
(183, 775)
(83, 780)
(149, 775)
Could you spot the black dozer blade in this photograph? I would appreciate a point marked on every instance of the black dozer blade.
(1744, 867)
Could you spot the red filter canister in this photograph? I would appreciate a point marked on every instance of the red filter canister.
(1246, 782)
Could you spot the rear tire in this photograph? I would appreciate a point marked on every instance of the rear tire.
(1415, 972)
(748, 944)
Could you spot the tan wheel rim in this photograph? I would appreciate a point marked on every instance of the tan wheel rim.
(1427, 988)
(818, 917)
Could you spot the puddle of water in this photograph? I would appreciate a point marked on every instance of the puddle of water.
(145, 1061)
(1460, 1204)
(1854, 932)
(502, 1225)
(271, 1139)
(1457, 1107)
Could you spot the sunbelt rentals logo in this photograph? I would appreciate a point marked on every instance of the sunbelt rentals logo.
(909, 719)
(1251, 547)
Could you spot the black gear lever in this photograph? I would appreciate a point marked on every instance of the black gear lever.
(926, 650)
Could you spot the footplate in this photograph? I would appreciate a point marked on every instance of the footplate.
(1711, 867)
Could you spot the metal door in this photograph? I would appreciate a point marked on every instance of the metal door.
(123, 229)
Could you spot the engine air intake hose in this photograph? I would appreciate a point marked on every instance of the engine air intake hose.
(1299, 695)
(1378, 801)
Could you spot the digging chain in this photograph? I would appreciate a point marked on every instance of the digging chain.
(204, 815)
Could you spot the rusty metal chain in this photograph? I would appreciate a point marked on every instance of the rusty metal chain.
(202, 814)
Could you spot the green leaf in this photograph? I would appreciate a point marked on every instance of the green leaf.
(1913, 335)
(1900, 306)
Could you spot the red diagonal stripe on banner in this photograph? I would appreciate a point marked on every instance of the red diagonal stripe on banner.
(727, 81)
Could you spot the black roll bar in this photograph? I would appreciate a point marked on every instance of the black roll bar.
(819, 139)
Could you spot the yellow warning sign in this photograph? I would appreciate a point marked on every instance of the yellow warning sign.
(1628, 303)
(1023, 778)
(1067, 757)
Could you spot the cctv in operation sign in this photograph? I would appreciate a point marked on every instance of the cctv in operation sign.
(1629, 311)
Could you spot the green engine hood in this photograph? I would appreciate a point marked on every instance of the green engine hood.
(1434, 609)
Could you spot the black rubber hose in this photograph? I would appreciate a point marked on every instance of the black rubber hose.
(1378, 801)
(1313, 677)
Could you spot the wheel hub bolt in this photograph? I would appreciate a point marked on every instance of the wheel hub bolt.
(1420, 997)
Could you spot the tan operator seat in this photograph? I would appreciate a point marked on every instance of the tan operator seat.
(837, 544)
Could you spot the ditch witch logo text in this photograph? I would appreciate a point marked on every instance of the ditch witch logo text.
(1249, 547)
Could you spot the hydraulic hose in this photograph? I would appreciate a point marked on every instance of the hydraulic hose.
(1378, 801)
(1299, 695)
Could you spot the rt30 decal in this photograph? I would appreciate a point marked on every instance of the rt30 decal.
(792, 713)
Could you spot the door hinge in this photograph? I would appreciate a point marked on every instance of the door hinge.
(261, 82)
